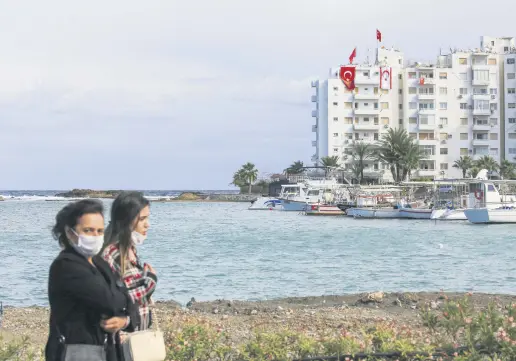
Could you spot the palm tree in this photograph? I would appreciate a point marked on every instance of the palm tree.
(332, 161)
(400, 152)
(246, 175)
(507, 169)
(464, 163)
(356, 170)
(473, 171)
(487, 162)
(361, 152)
(295, 168)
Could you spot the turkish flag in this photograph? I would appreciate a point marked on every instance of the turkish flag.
(422, 81)
(347, 75)
(352, 56)
(378, 35)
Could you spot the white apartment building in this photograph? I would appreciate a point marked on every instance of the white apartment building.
(464, 104)
(363, 114)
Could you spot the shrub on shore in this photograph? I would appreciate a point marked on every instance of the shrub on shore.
(452, 329)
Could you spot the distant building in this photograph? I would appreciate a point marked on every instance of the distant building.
(464, 104)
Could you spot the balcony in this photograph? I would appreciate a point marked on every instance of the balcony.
(314, 98)
(314, 128)
(481, 97)
(483, 127)
(426, 110)
(426, 172)
(483, 66)
(364, 80)
(366, 96)
(480, 155)
(366, 126)
(427, 81)
(480, 142)
(314, 113)
(428, 141)
(479, 82)
(366, 111)
(426, 126)
(426, 96)
(314, 143)
(370, 140)
(485, 111)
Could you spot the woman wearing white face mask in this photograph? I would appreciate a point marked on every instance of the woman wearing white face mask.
(126, 231)
(88, 303)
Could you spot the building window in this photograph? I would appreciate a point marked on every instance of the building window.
(365, 73)
(443, 106)
(494, 106)
(400, 91)
(443, 136)
(510, 61)
(463, 151)
(493, 91)
(493, 136)
(512, 105)
(348, 120)
(512, 150)
(335, 119)
(444, 166)
(512, 135)
(443, 75)
(412, 105)
(348, 105)
(385, 105)
(481, 75)
(375, 105)
(463, 91)
(412, 90)
(493, 121)
(385, 121)
(511, 91)
(366, 119)
(463, 76)
(335, 150)
(335, 104)
(510, 75)
(336, 88)
(412, 120)
(413, 135)
(427, 150)
(443, 121)
(335, 135)
(493, 151)
(463, 121)
(464, 106)
(512, 120)
(375, 120)
(491, 61)
(400, 106)
(463, 61)
(463, 136)
(412, 75)
(480, 91)
(443, 91)
(443, 151)
(426, 136)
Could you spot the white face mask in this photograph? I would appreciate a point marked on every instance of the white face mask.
(88, 246)
(137, 238)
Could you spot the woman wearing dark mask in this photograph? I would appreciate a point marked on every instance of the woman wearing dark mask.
(127, 229)
(88, 303)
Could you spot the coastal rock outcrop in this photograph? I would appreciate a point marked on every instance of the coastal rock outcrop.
(89, 193)
(1, 198)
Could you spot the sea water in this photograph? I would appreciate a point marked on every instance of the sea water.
(222, 250)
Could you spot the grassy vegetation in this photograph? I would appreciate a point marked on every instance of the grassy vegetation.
(487, 334)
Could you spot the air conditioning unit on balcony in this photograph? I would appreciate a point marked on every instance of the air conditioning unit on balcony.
(440, 125)
(443, 141)
(386, 126)
(459, 96)
(493, 96)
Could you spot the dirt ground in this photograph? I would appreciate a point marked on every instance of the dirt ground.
(240, 318)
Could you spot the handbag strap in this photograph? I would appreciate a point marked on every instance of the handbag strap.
(153, 314)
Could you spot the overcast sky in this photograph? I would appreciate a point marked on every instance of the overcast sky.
(178, 94)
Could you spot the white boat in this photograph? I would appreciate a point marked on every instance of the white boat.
(496, 215)
(265, 203)
(373, 212)
(449, 214)
(415, 213)
(323, 210)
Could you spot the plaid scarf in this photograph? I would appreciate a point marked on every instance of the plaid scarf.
(139, 282)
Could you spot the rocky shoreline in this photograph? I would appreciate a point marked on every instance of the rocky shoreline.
(183, 197)
(241, 318)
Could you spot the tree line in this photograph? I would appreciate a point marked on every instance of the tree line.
(401, 153)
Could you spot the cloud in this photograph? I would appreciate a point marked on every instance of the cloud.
(126, 93)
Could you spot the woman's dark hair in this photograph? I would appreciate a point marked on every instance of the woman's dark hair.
(126, 207)
(70, 214)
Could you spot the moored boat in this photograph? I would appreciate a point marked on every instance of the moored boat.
(265, 203)
(486, 215)
(323, 210)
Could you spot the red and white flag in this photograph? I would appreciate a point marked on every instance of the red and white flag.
(347, 75)
(378, 35)
(353, 56)
(386, 78)
(422, 80)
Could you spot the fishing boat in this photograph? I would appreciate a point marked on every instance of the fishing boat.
(503, 214)
(265, 203)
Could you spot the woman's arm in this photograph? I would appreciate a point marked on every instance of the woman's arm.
(144, 288)
(77, 281)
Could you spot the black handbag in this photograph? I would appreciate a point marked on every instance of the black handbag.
(81, 352)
